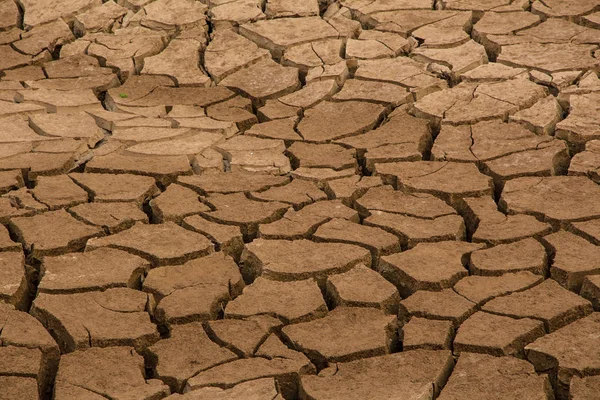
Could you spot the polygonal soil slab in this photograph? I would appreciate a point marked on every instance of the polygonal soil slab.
(321, 175)
(448, 180)
(484, 376)
(157, 92)
(255, 154)
(376, 240)
(15, 281)
(386, 199)
(289, 301)
(226, 238)
(488, 225)
(322, 156)
(164, 168)
(60, 101)
(587, 163)
(310, 94)
(21, 361)
(567, 8)
(237, 209)
(590, 289)
(179, 60)
(485, 141)
(524, 255)
(336, 120)
(265, 388)
(97, 319)
(362, 287)
(11, 180)
(374, 91)
(570, 351)
(428, 334)
(353, 333)
(10, 15)
(10, 209)
(79, 126)
(589, 230)
(12, 58)
(58, 192)
(298, 193)
(351, 188)
(557, 199)
(228, 52)
(580, 125)
(402, 71)
(443, 305)
(413, 231)
(52, 233)
(551, 31)
(98, 18)
(242, 336)
(286, 8)
(401, 375)
(300, 259)
(109, 372)
(113, 217)
(176, 203)
(19, 131)
(273, 359)
(496, 335)
(194, 291)
(428, 266)
(139, 133)
(231, 14)
(11, 86)
(117, 187)
(542, 117)
(363, 10)
(549, 57)
(98, 83)
(40, 12)
(548, 159)
(468, 103)
(126, 49)
(548, 302)
(95, 270)
(303, 223)
(174, 14)
(17, 359)
(448, 32)
(279, 34)
(264, 80)
(574, 259)
(20, 203)
(161, 244)
(401, 137)
(496, 23)
(231, 182)
(36, 164)
(452, 61)
(27, 350)
(281, 128)
(186, 352)
(481, 289)
(6, 243)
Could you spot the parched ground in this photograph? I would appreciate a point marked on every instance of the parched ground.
(300, 199)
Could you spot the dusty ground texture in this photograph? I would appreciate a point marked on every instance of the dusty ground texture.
(313, 200)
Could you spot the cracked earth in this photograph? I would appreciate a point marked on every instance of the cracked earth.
(299, 200)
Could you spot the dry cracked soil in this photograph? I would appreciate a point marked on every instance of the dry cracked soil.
(300, 199)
